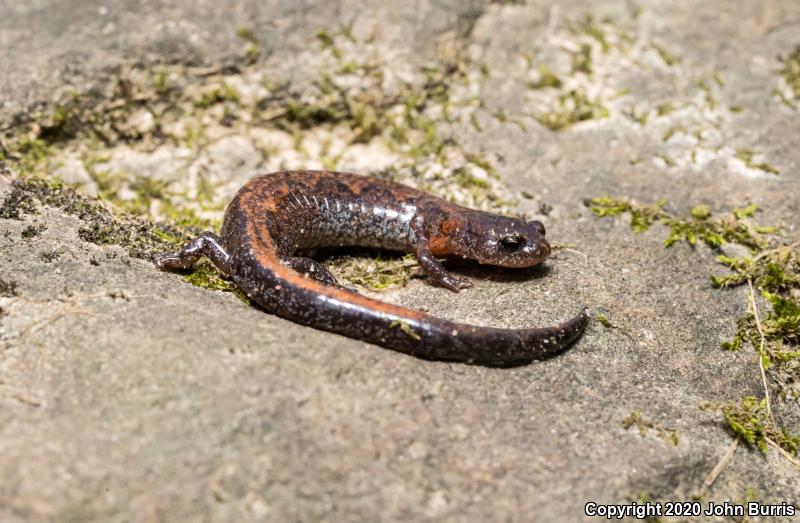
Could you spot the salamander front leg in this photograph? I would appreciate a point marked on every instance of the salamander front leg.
(312, 269)
(436, 271)
(207, 244)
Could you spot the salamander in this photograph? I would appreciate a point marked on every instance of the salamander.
(275, 217)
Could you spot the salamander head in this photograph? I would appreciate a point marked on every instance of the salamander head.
(499, 240)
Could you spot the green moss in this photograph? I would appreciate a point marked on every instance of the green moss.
(32, 152)
(50, 256)
(747, 155)
(664, 109)
(604, 321)
(582, 60)
(349, 68)
(223, 93)
(247, 34)
(100, 225)
(640, 116)
(473, 119)
(17, 203)
(8, 288)
(669, 162)
(63, 123)
(592, 29)
(406, 328)
(775, 271)
(642, 216)
(571, 108)
(376, 273)
(205, 275)
(328, 42)
(31, 231)
(749, 419)
(698, 226)
(310, 115)
(546, 79)
(161, 83)
(635, 419)
(465, 179)
(667, 57)
(483, 163)
(790, 71)
(785, 100)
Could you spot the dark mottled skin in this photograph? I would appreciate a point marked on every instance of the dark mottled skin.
(275, 216)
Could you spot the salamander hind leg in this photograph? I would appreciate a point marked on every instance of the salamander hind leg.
(207, 244)
(312, 269)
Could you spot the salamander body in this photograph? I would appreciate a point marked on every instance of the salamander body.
(274, 217)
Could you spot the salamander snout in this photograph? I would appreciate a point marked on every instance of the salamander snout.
(521, 250)
(537, 226)
(513, 243)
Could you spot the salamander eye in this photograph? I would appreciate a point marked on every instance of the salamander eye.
(511, 244)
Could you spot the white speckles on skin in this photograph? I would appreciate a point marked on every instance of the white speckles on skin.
(356, 222)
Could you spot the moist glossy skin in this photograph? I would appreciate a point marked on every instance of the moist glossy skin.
(274, 216)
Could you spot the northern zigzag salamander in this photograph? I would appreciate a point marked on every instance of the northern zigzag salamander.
(275, 216)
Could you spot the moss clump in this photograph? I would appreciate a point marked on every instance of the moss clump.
(31, 231)
(590, 27)
(698, 226)
(207, 276)
(749, 419)
(773, 269)
(100, 225)
(139, 237)
(635, 419)
(790, 71)
(376, 273)
(328, 42)
(775, 273)
(604, 321)
(666, 56)
(748, 155)
(247, 34)
(8, 288)
(571, 108)
(311, 115)
(467, 180)
(642, 216)
(50, 256)
(220, 94)
(405, 328)
(17, 203)
(546, 79)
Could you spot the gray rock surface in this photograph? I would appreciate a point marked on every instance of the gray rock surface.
(130, 395)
